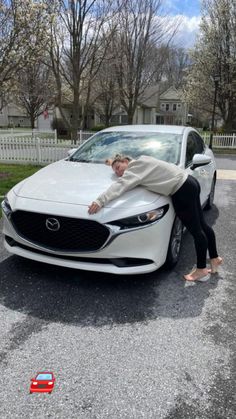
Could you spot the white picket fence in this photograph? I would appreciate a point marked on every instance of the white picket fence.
(221, 140)
(36, 150)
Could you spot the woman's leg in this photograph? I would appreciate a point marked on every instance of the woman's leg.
(215, 260)
(209, 232)
(187, 206)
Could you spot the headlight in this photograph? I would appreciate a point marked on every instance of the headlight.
(35, 383)
(142, 219)
(6, 207)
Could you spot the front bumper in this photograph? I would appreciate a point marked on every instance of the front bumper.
(40, 390)
(134, 252)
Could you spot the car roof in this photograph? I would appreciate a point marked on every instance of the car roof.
(175, 129)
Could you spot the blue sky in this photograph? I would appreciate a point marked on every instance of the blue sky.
(189, 13)
(188, 8)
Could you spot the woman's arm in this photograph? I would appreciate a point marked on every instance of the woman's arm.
(125, 183)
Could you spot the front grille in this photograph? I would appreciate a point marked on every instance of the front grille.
(74, 234)
(42, 385)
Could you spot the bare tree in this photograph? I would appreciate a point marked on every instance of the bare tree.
(176, 66)
(35, 89)
(105, 92)
(106, 95)
(140, 26)
(77, 51)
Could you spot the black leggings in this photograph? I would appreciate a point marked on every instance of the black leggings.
(186, 202)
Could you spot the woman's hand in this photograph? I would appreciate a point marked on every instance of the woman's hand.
(93, 208)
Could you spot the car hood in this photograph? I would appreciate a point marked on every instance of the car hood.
(78, 183)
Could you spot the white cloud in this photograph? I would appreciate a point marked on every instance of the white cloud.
(187, 31)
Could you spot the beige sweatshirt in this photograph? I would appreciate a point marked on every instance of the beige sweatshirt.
(154, 175)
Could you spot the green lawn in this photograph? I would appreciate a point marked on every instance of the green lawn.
(10, 174)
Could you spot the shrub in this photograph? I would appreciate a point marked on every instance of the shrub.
(98, 128)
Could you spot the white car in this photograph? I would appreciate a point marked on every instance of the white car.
(46, 215)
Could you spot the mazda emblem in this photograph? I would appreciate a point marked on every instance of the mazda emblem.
(52, 224)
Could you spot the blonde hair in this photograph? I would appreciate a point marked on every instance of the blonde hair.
(120, 158)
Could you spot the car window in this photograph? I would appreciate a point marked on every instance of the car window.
(44, 377)
(195, 145)
(105, 145)
(199, 143)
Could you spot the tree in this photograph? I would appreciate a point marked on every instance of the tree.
(176, 65)
(215, 54)
(105, 92)
(34, 91)
(77, 51)
(20, 22)
(139, 30)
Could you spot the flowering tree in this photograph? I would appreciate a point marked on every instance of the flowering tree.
(21, 22)
(215, 55)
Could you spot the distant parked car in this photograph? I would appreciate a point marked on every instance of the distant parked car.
(46, 216)
(42, 383)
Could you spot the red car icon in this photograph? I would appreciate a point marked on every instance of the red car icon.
(42, 383)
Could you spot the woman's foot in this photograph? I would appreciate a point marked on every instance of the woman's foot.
(215, 263)
(197, 275)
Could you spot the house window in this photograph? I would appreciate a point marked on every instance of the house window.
(167, 106)
(174, 107)
(179, 105)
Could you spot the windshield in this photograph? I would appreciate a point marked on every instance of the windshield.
(105, 145)
(44, 377)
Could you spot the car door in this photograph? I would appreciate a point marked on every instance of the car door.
(195, 145)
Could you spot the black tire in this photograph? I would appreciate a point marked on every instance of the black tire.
(211, 195)
(174, 244)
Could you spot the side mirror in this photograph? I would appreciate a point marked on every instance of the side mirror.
(200, 160)
(71, 151)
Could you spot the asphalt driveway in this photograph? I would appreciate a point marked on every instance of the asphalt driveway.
(149, 346)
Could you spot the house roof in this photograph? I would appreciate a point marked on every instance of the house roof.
(15, 110)
(150, 96)
(171, 94)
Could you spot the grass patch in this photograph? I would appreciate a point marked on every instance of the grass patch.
(10, 174)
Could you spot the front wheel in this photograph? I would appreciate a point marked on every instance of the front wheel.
(174, 244)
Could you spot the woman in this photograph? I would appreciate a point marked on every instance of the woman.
(169, 180)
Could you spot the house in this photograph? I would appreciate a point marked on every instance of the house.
(12, 116)
(172, 108)
(168, 107)
(45, 120)
(147, 107)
